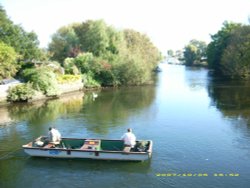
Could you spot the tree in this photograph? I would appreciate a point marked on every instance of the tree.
(105, 53)
(190, 54)
(24, 43)
(235, 61)
(194, 52)
(8, 64)
(170, 53)
(65, 43)
(93, 36)
(219, 43)
(141, 46)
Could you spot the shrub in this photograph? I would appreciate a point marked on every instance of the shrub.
(42, 79)
(70, 67)
(67, 78)
(21, 92)
(89, 81)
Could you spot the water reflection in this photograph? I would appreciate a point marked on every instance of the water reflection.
(232, 98)
(114, 107)
(44, 112)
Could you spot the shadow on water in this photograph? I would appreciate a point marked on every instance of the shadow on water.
(86, 165)
(18, 169)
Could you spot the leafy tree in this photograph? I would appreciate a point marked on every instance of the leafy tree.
(235, 61)
(65, 43)
(105, 53)
(142, 47)
(190, 54)
(93, 37)
(219, 43)
(140, 59)
(24, 43)
(194, 52)
(8, 64)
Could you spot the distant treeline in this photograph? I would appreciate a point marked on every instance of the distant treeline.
(228, 54)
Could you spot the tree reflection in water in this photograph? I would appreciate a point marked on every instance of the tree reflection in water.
(114, 107)
(232, 99)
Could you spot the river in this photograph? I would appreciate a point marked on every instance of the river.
(199, 126)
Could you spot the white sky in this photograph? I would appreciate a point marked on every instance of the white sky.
(170, 24)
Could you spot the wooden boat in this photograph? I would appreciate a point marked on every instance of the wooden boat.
(90, 149)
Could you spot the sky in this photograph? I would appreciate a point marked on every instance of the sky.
(170, 24)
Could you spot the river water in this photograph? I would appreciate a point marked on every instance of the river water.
(199, 126)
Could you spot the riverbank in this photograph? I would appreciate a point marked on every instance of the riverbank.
(64, 89)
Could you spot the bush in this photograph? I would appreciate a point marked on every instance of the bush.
(84, 62)
(42, 79)
(70, 67)
(21, 92)
(67, 78)
(89, 81)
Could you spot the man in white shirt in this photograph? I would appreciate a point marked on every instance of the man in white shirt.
(129, 139)
(54, 136)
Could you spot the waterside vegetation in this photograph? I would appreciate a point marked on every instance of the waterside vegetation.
(228, 53)
(92, 52)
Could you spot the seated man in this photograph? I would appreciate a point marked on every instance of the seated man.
(54, 136)
(129, 139)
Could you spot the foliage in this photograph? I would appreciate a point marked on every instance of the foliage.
(219, 43)
(24, 43)
(93, 37)
(140, 59)
(70, 67)
(141, 46)
(89, 82)
(228, 53)
(21, 92)
(133, 73)
(67, 78)
(194, 52)
(190, 54)
(104, 52)
(8, 64)
(235, 61)
(42, 79)
(65, 43)
(84, 62)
